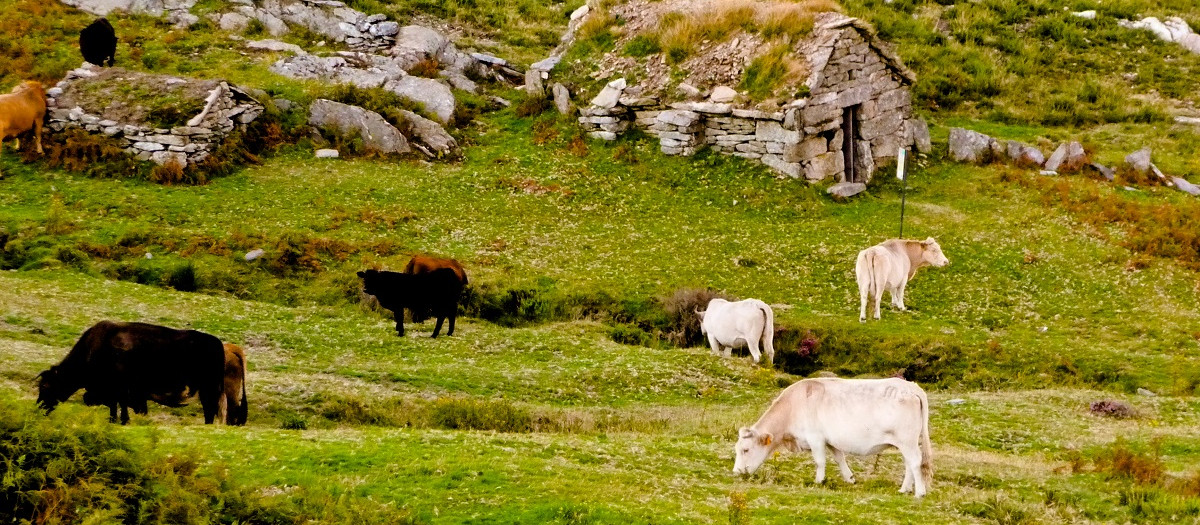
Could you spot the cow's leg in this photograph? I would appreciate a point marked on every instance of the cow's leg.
(124, 414)
(840, 458)
(112, 412)
(898, 296)
(864, 295)
(818, 452)
(912, 470)
(399, 316)
(453, 314)
(210, 401)
(878, 298)
(716, 347)
(37, 135)
(438, 327)
(752, 344)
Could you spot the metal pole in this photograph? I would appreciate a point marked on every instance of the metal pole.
(903, 187)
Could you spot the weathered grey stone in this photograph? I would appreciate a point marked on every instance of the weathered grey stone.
(562, 98)
(679, 117)
(688, 90)
(970, 146)
(431, 138)
(723, 95)
(845, 190)
(711, 108)
(824, 166)
(376, 133)
(603, 135)
(435, 96)
(148, 146)
(1139, 161)
(1183, 185)
(1104, 171)
(164, 157)
(781, 165)
(771, 131)
(1024, 155)
(610, 95)
(814, 116)
(920, 135)
(758, 115)
(274, 45)
(256, 253)
(533, 83)
(809, 148)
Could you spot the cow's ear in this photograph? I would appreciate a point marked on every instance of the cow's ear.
(928, 241)
(362, 274)
(764, 439)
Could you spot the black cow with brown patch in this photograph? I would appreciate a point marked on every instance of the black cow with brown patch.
(123, 365)
(437, 291)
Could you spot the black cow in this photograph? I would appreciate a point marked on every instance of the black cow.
(125, 364)
(437, 291)
(98, 43)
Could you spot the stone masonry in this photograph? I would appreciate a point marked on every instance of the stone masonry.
(226, 108)
(851, 75)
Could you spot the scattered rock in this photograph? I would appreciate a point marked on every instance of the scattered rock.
(1183, 185)
(435, 96)
(1104, 171)
(1193, 121)
(956, 401)
(688, 91)
(1089, 14)
(376, 133)
(1048, 172)
(431, 138)
(610, 95)
(1139, 161)
(845, 190)
(254, 254)
(324, 153)
(275, 45)
(1025, 155)
(1145, 392)
(1068, 157)
(971, 146)
(1174, 30)
(562, 98)
(283, 104)
(1112, 408)
(921, 139)
(234, 22)
(723, 94)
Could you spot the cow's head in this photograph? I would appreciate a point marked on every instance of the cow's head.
(368, 278)
(52, 388)
(700, 316)
(932, 253)
(751, 450)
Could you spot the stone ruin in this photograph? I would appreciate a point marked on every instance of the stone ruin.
(225, 108)
(856, 116)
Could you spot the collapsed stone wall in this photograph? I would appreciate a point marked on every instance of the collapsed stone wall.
(330, 18)
(226, 109)
(802, 138)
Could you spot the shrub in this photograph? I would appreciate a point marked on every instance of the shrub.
(1113, 409)
(532, 105)
(475, 414)
(428, 68)
(628, 334)
(1120, 460)
(683, 324)
(642, 45)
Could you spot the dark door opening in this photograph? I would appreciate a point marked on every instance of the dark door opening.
(850, 143)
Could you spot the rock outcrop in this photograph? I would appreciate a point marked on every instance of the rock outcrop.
(1173, 29)
(376, 133)
(371, 71)
(329, 18)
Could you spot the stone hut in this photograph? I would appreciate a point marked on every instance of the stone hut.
(856, 116)
(190, 120)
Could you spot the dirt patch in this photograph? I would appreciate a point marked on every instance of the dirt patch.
(130, 97)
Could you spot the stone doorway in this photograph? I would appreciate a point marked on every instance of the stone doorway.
(850, 121)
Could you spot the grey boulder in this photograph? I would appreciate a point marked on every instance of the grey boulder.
(376, 133)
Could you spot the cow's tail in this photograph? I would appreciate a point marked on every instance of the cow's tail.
(244, 403)
(926, 445)
(768, 336)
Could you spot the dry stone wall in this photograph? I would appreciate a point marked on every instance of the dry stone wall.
(226, 109)
(802, 138)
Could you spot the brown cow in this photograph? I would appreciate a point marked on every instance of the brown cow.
(22, 110)
(889, 265)
(232, 406)
(425, 264)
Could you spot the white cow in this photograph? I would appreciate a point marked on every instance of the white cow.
(855, 416)
(743, 323)
(889, 265)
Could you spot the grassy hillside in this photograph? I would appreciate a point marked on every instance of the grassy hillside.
(561, 399)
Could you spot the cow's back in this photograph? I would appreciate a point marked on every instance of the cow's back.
(856, 415)
(421, 264)
(21, 108)
(731, 321)
(887, 263)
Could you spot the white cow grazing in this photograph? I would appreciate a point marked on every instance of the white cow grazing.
(855, 416)
(889, 265)
(750, 323)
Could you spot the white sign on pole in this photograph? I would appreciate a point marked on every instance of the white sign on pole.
(900, 165)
